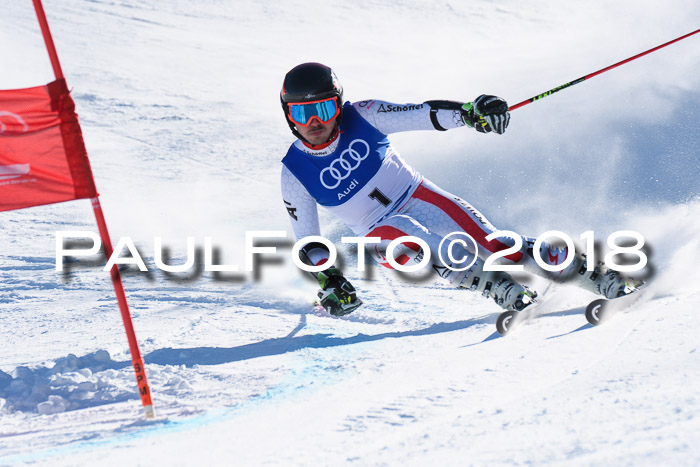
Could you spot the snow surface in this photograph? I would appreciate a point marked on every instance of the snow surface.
(178, 104)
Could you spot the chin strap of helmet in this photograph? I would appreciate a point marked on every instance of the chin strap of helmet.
(331, 138)
(318, 147)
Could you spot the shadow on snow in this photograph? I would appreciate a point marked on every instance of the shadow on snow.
(290, 343)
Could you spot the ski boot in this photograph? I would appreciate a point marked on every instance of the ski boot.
(601, 281)
(505, 291)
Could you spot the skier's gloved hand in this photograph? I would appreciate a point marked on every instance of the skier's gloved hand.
(487, 113)
(337, 295)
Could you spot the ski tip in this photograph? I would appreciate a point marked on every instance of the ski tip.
(595, 311)
(506, 322)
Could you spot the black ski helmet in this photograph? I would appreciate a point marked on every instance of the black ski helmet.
(310, 82)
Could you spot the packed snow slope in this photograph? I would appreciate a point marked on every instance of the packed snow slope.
(179, 106)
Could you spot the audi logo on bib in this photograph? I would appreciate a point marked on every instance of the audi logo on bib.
(342, 167)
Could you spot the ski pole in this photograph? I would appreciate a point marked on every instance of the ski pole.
(584, 78)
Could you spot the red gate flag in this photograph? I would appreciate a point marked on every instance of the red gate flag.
(43, 160)
(42, 154)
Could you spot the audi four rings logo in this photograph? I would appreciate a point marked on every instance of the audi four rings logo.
(342, 167)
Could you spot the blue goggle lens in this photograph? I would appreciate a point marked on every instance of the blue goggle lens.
(303, 113)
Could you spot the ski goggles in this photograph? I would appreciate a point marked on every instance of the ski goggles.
(325, 111)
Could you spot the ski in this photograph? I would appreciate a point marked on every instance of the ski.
(596, 313)
(509, 320)
(600, 310)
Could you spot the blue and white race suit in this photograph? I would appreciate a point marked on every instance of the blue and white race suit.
(362, 180)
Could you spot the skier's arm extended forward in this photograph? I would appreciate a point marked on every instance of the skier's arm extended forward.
(485, 114)
(337, 295)
(303, 214)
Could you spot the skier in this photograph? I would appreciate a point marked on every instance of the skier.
(343, 161)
